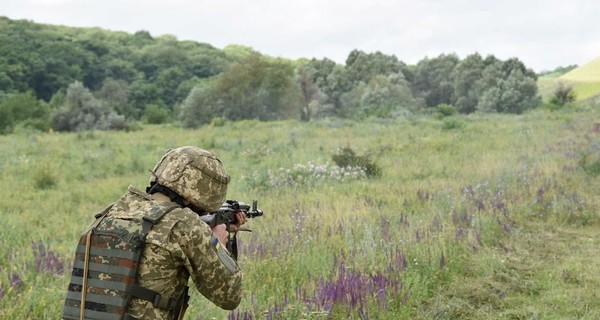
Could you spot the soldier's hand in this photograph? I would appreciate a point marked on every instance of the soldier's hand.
(220, 232)
(240, 219)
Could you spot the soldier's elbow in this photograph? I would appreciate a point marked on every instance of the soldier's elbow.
(231, 305)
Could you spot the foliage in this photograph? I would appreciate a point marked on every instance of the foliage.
(451, 123)
(45, 178)
(346, 157)
(381, 97)
(84, 112)
(23, 109)
(510, 88)
(558, 71)
(131, 74)
(47, 59)
(563, 94)
(433, 79)
(199, 107)
(590, 159)
(254, 88)
(446, 110)
(156, 114)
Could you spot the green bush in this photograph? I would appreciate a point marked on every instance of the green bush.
(156, 114)
(445, 110)
(347, 158)
(23, 110)
(218, 121)
(590, 161)
(44, 178)
(452, 123)
(84, 112)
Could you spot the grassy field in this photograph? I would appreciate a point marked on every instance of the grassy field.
(473, 217)
(584, 79)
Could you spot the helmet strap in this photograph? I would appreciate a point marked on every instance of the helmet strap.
(155, 187)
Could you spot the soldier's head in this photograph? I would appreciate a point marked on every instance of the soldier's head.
(194, 174)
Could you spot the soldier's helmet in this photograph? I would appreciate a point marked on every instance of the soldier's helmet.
(197, 175)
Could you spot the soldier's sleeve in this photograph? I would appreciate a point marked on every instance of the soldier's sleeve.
(216, 275)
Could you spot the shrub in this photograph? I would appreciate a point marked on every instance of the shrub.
(563, 94)
(590, 160)
(452, 123)
(84, 112)
(44, 178)
(218, 122)
(347, 158)
(23, 110)
(309, 174)
(156, 114)
(445, 110)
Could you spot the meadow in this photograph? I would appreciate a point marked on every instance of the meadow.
(471, 217)
(585, 81)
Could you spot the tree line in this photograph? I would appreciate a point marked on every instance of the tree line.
(71, 79)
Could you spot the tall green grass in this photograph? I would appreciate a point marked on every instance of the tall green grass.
(494, 218)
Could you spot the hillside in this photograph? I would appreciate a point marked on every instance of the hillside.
(589, 72)
(585, 80)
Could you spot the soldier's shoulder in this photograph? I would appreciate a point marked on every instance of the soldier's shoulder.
(180, 218)
(183, 214)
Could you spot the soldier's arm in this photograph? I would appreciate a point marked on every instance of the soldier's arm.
(216, 275)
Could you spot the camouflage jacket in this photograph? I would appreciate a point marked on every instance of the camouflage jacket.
(180, 245)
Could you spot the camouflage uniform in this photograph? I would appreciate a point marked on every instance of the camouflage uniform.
(179, 246)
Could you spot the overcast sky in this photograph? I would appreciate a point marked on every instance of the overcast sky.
(543, 34)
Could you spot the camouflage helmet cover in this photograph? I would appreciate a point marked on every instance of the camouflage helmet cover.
(195, 174)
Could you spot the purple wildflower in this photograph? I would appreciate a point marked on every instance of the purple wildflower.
(423, 196)
(353, 289)
(461, 233)
(385, 230)
(14, 281)
(237, 315)
(46, 260)
(442, 261)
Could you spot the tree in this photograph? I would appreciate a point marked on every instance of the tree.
(141, 93)
(362, 67)
(84, 112)
(312, 99)
(382, 97)
(156, 114)
(167, 81)
(465, 76)
(433, 80)
(492, 85)
(507, 87)
(23, 109)
(199, 107)
(115, 93)
(255, 88)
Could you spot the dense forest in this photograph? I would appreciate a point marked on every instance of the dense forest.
(68, 79)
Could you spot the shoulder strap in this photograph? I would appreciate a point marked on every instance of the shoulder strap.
(153, 217)
(156, 213)
(86, 260)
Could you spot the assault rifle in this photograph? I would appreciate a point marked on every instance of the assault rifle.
(226, 215)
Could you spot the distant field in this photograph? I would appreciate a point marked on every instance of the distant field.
(584, 79)
(473, 217)
(589, 72)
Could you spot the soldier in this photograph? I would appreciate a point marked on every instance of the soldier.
(135, 260)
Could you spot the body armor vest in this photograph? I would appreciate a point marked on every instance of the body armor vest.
(103, 280)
